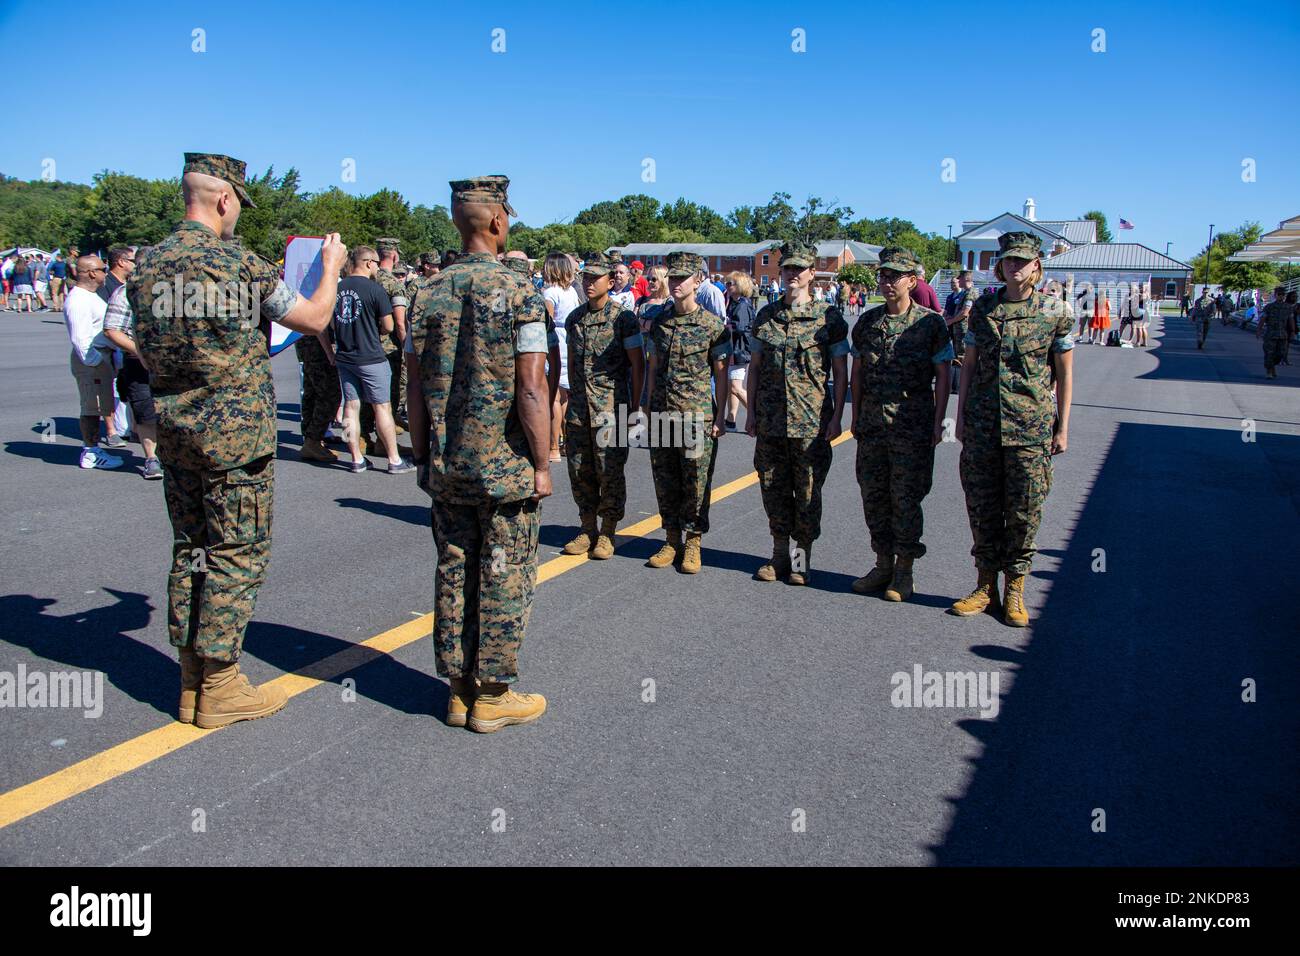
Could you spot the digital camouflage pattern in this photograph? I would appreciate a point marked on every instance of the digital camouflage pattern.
(795, 345)
(1006, 467)
(684, 348)
(221, 530)
(1010, 399)
(798, 254)
(897, 355)
(210, 373)
(682, 265)
(467, 324)
(1275, 325)
(1019, 245)
(210, 370)
(320, 388)
(233, 171)
(898, 259)
(791, 472)
(1005, 487)
(599, 376)
(487, 571)
(483, 189)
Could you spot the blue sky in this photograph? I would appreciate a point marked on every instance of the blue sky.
(1154, 129)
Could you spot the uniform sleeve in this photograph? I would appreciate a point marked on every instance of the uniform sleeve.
(277, 299)
(383, 302)
(552, 338)
(530, 325)
(629, 330)
(941, 342)
(721, 348)
(839, 333)
(856, 336)
(1064, 340)
(395, 291)
(118, 316)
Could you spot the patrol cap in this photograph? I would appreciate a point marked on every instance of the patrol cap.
(400, 269)
(1021, 245)
(386, 244)
(223, 167)
(489, 189)
(898, 259)
(430, 258)
(797, 254)
(682, 265)
(599, 263)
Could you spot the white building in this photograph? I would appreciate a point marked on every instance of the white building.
(977, 246)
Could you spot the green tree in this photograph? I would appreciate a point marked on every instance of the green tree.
(820, 220)
(1103, 230)
(132, 211)
(49, 215)
(858, 274)
(1235, 276)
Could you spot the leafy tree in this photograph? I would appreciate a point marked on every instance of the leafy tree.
(858, 274)
(822, 220)
(1103, 230)
(1235, 276)
(776, 220)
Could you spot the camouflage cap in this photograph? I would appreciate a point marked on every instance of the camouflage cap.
(223, 167)
(386, 244)
(898, 259)
(684, 264)
(400, 269)
(430, 258)
(599, 263)
(798, 254)
(490, 189)
(518, 264)
(1021, 245)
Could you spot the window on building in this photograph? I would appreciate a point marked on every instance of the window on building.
(765, 260)
(763, 280)
(1171, 289)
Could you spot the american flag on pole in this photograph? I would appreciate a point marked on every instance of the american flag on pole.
(1125, 224)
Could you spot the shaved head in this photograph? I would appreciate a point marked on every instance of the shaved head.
(517, 254)
(90, 272)
(483, 226)
(211, 201)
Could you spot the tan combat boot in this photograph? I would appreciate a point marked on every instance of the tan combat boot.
(779, 566)
(604, 548)
(497, 706)
(1013, 602)
(191, 680)
(900, 588)
(582, 543)
(877, 578)
(227, 697)
(800, 578)
(977, 602)
(313, 449)
(668, 553)
(460, 699)
(691, 558)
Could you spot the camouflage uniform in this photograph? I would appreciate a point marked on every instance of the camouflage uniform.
(684, 346)
(467, 325)
(320, 388)
(1202, 314)
(599, 372)
(794, 346)
(1006, 461)
(1275, 321)
(895, 423)
(396, 289)
(211, 382)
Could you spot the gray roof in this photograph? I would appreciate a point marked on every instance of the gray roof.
(1076, 232)
(699, 248)
(1115, 255)
(863, 252)
(1040, 226)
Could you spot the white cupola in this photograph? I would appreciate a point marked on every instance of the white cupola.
(1029, 210)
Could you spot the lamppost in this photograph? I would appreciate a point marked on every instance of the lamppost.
(1207, 255)
(1167, 245)
(952, 253)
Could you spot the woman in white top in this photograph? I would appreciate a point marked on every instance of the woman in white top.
(561, 299)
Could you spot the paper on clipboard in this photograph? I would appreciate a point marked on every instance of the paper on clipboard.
(302, 273)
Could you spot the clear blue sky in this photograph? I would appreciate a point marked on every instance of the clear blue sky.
(1155, 129)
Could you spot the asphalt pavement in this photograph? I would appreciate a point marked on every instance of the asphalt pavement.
(1147, 717)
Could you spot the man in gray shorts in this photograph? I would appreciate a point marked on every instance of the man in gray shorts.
(362, 312)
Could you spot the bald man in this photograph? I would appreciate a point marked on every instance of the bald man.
(92, 361)
(212, 388)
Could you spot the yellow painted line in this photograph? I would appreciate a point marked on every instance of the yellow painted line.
(132, 754)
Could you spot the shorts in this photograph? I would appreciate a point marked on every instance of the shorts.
(24, 289)
(366, 383)
(133, 388)
(40, 287)
(95, 387)
(738, 372)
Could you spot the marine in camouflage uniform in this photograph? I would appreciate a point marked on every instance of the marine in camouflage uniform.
(794, 349)
(605, 360)
(899, 358)
(1275, 327)
(1009, 422)
(320, 398)
(211, 380)
(470, 323)
(392, 343)
(1203, 310)
(685, 352)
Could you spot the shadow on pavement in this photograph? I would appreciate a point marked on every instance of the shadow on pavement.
(411, 514)
(1128, 697)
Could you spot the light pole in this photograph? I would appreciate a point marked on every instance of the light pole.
(951, 251)
(1167, 245)
(1207, 255)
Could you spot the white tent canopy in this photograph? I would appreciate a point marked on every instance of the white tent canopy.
(1280, 245)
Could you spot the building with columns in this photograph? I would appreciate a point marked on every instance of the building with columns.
(977, 245)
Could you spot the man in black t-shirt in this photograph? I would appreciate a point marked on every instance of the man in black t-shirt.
(362, 312)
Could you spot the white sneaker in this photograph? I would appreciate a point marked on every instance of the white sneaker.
(97, 458)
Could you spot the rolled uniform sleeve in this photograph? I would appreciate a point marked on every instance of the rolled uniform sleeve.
(629, 331)
(839, 332)
(1064, 340)
(721, 347)
(530, 326)
(940, 342)
(281, 299)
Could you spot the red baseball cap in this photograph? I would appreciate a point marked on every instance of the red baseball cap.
(638, 264)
